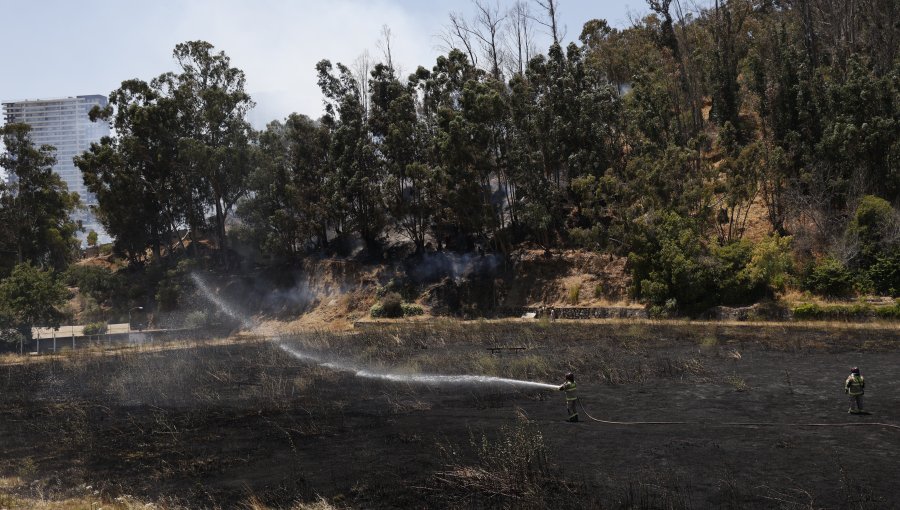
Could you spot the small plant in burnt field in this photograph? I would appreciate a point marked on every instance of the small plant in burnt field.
(738, 383)
(509, 470)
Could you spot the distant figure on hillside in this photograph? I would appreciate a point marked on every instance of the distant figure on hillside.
(571, 396)
(855, 387)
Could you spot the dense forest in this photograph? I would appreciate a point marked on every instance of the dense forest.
(661, 142)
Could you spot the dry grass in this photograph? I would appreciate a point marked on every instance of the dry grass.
(16, 494)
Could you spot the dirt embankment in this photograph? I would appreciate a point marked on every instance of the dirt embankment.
(332, 294)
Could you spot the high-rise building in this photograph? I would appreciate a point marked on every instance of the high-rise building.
(64, 124)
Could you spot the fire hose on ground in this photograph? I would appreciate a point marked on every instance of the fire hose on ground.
(739, 424)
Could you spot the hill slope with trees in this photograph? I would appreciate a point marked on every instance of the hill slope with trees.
(659, 143)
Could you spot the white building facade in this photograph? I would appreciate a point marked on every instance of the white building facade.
(64, 124)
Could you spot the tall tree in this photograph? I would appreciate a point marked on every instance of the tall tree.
(286, 210)
(135, 175)
(355, 175)
(35, 204)
(211, 98)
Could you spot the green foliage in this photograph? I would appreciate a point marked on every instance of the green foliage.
(181, 148)
(674, 264)
(92, 238)
(812, 311)
(35, 205)
(95, 281)
(10, 337)
(196, 319)
(95, 328)
(33, 297)
(411, 310)
(390, 306)
(885, 274)
(876, 229)
(771, 263)
(603, 145)
(828, 277)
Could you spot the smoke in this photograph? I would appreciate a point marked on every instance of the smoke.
(431, 267)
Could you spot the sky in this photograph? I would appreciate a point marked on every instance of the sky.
(59, 48)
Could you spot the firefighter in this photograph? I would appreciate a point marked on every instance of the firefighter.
(855, 387)
(571, 396)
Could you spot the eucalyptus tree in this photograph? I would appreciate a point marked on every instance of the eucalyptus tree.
(355, 175)
(181, 149)
(35, 204)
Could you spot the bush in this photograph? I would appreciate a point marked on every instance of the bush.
(94, 281)
(672, 264)
(10, 337)
(828, 277)
(885, 274)
(812, 311)
(411, 310)
(391, 306)
(873, 226)
(95, 328)
(197, 319)
(771, 263)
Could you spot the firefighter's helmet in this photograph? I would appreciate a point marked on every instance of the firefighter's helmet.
(570, 376)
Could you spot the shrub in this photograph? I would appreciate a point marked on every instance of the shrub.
(574, 293)
(736, 285)
(410, 309)
(10, 337)
(672, 262)
(390, 306)
(885, 274)
(872, 226)
(828, 277)
(95, 328)
(196, 320)
(812, 311)
(167, 295)
(771, 264)
(97, 282)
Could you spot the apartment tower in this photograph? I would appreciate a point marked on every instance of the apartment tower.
(64, 124)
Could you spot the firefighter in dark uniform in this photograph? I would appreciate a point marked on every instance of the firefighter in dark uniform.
(571, 396)
(855, 386)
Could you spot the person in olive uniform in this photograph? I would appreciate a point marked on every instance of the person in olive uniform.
(855, 386)
(571, 396)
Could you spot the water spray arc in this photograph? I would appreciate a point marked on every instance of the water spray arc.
(343, 366)
(428, 379)
(223, 307)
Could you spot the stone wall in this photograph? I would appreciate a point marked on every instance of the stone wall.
(602, 312)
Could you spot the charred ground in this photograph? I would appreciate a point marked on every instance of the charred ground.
(224, 425)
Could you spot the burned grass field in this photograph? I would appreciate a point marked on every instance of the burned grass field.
(246, 424)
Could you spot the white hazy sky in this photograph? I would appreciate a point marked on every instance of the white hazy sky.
(55, 48)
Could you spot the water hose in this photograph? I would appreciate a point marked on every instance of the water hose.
(739, 424)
